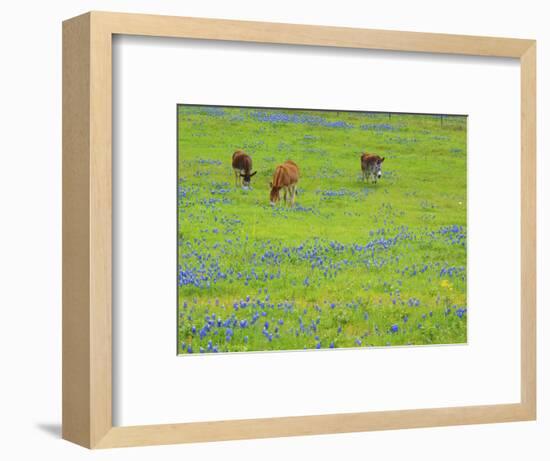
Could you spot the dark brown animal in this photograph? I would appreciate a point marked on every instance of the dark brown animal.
(286, 177)
(371, 166)
(242, 166)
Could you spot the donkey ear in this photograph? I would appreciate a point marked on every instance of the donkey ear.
(243, 175)
(253, 174)
(382, 159)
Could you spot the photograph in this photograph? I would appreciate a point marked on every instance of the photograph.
(312, 229)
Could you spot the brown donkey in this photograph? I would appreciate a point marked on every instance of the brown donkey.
(371, 166)
(242, 166)
(285, 177)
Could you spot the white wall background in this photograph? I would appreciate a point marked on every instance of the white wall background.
(30, 243)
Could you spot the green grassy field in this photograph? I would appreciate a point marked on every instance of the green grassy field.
(351, 264)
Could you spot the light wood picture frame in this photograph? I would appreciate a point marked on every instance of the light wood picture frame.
(87, 223)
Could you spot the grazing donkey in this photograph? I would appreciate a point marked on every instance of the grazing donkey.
(242, 165)
(285, 177)
(371, 166)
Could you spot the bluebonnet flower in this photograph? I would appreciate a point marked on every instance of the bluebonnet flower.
(394, 328)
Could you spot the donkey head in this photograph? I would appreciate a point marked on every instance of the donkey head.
(274, 194)
(246, 178)
(377, 168)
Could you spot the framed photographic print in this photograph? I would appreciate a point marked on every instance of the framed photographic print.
(269, 228)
